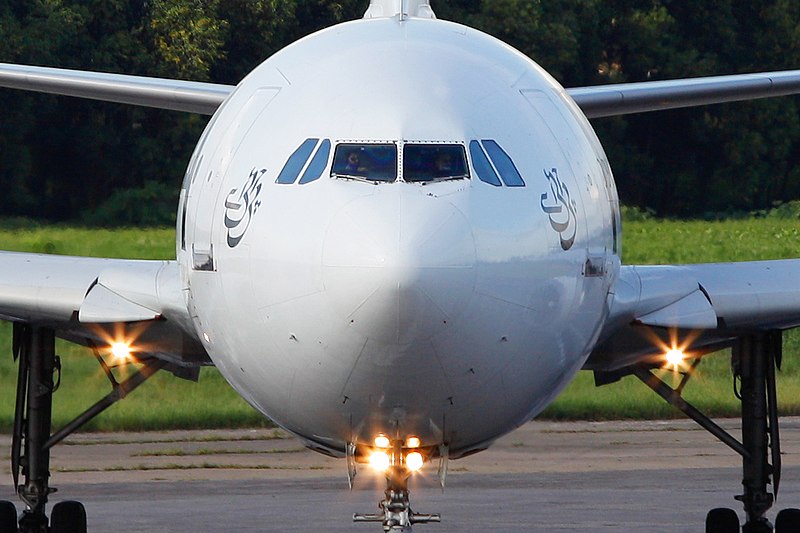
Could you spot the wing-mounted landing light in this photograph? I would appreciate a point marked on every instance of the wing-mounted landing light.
(121, 351)
(118, 347)
(674, 357)
(674, 347)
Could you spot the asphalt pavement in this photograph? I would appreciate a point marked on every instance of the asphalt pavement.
(575, 476)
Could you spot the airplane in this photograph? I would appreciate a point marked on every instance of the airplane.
(398, 264)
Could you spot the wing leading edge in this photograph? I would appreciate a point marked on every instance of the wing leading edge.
(175, 95)
(627, 98)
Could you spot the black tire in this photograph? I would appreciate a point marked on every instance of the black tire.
(8, 517)
(722, 520)
(68, 517)
(788, 521)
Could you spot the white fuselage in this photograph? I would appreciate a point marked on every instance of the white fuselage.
(453, 310)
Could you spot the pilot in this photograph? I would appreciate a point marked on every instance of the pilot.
(352, 164)
(444, 165)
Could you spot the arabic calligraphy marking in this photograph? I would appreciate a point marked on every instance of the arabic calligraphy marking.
(561, 208)
(240, 206)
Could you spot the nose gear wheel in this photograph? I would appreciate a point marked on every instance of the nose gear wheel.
(397, 516)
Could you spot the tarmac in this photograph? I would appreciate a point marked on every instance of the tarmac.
(545, 476)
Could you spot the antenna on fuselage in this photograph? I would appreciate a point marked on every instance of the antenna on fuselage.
(400, 8)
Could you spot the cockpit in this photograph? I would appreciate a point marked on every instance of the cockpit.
(407, 161)
(419, 162)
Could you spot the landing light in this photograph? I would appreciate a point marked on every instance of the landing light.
(675, 357)
(121, 351)
(414, 461)
(380, 461)
(382, 441)
(412, 442)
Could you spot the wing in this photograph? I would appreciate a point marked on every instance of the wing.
(93, 301)
(204, 98)
(700, 307)
(176, 95)
(626, 98)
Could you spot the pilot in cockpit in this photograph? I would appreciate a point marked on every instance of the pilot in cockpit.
(352, 162)
(444, 165)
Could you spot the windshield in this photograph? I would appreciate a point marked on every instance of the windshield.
(434, 162)
(368, 162)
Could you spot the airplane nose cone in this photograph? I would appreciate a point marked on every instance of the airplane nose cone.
(399, 267)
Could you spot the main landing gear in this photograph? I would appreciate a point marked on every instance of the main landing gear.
(755, 357)
(39, 377)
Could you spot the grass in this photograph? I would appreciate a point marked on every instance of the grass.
(695, 241)
(169, 403)
(130, 243)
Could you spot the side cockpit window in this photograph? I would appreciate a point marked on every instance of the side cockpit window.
(434, 162)
(366, 162)
(318, 163)
(482, 166)
(299, 161)
(504, 165)
(493, 164)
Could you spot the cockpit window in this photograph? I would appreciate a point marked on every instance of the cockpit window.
(482, 166)
(367, 162)
(504, 165)
(296, 162)
(318, 163)
(434, 162)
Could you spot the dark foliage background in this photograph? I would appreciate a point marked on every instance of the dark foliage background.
(68, 159)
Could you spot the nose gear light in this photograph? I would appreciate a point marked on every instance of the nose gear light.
(414, 461)
(382, 441)
(397, 459)
(380, 461)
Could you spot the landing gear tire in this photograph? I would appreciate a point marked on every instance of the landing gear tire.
(8, 517)
(722, 520)
(68, 517)
(788, 521)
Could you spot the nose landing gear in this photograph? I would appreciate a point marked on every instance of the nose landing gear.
(397, 516)
(397, 459)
